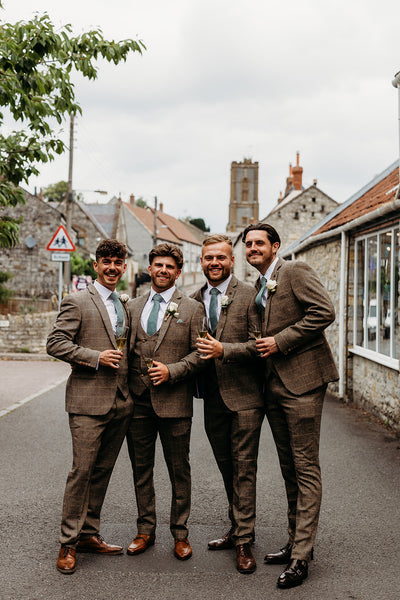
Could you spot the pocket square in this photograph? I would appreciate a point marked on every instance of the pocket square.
(179, 321)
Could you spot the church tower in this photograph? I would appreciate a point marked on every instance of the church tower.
(243, 206)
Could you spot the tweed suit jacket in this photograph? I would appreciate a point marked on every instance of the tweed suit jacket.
(176, 348)
(238, 372)
(81, 332)
(296, 314)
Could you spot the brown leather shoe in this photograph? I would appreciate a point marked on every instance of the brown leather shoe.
(223, 543)
(98, 545)
(140, 543)
(245, 561)
(66, 562)
(182, 551)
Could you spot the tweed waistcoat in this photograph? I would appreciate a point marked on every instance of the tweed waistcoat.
(144, 346)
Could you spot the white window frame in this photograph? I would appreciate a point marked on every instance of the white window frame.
(364, 351)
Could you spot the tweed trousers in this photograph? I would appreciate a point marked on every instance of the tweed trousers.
(295, 423)
(234, 437)
(96, 442)
(174, 434)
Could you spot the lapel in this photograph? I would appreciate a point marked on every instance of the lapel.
(230, 292)
(275, 275)
(136, 315)
(176, 297)
(198, 295)
(95, 296)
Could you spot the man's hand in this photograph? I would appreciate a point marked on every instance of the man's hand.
(267, 346)
(158, 373)
(209, 347)
(110, 358)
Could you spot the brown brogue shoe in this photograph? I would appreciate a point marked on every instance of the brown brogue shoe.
(97, 545)
(66, 562)
(245, 561)
(223, 543)
(182, 551)
(140, 543)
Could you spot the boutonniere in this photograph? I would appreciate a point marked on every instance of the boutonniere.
(225, 301)
(171, 310)
(124, 298)
(271, 285)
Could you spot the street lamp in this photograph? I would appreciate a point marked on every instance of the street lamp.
(396, 84)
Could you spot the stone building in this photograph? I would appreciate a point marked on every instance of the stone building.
(296, 211)
(356, 252)
(243, 205)
(34, 274)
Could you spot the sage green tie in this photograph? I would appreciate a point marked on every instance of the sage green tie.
(153, 316)
(213, 309)
(259, 297)
(120, 313)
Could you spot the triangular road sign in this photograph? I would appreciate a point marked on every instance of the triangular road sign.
(61, 241)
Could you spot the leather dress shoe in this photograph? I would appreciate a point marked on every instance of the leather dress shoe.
(141, 542)
(97, 545)
(245, 561)
(223, 543)
(280, 558)
(294, 574)
(182, 551)
(66, 562)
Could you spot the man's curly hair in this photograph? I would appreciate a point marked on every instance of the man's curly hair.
(111, 248)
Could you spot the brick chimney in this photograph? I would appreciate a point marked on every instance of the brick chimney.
(161, 207)
(297, 172)
(132, 200)
(280, 197)
(289, 181)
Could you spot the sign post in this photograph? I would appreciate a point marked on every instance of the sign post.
(60, 245)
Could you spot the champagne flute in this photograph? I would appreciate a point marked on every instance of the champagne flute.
(257, 334)
(121, 337)
(148, 361)
(203, 328)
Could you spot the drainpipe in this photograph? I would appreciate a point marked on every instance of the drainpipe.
(342, 316)
(396, 84)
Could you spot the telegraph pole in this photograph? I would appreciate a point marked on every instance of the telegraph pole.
(68, 210)
(155, 222)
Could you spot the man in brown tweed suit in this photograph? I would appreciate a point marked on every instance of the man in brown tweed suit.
(299, 364)
(165, 325)
(233, 401)
(97, 400)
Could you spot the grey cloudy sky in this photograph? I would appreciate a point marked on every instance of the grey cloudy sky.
(223, 80)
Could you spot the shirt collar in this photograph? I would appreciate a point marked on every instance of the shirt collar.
(222, 287)
(166, 295)
(270, 269)
(104, 292)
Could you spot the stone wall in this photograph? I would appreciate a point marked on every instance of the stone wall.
(25, 333)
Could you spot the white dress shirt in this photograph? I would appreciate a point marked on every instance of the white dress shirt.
(166, 299)
(105, 294)
(267, 276)
(222, 287)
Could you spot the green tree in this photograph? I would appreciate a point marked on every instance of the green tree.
(36, 62)
(82, 266)
(140, 202)
(5, 293)
(57, 192)
(199, 223)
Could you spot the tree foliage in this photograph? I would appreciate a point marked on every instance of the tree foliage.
(81, 265)
(141, 202)
(199, 223)
(5, 293)
(36, 62)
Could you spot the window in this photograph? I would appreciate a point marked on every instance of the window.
(296, 215)
(376, 297)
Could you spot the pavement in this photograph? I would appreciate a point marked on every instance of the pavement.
(356, 553)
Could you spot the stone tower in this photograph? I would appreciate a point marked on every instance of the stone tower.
(243, 206)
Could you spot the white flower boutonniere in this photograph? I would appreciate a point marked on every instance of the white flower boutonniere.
(171, 310)
(225, 301)
(271, 285)
(124, 298)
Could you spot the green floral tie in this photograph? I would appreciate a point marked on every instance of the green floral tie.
(259, 297)
(213, 309)
(120, 313)
(153, 316)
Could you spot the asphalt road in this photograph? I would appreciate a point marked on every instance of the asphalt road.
(356, 554)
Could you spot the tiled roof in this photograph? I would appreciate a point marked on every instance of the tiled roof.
(104, 215)
(146, 217)
(179, 228)
(380, 190)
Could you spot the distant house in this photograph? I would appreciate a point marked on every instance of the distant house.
(143, 228)
(296, 211)
(355, 250)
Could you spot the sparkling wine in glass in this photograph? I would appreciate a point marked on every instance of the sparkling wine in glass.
(257, 334)
(203, 328)
(148, 361)
(121, 338)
